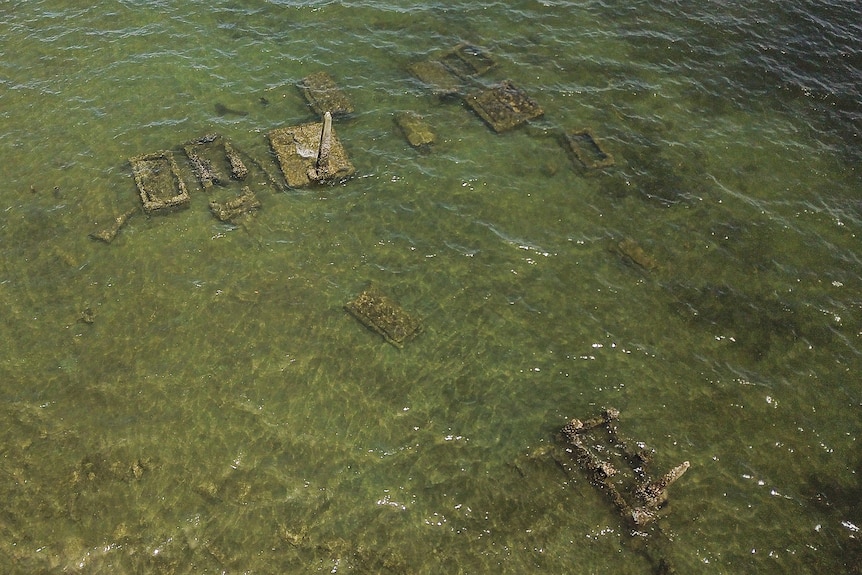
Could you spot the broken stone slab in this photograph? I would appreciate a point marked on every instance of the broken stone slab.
(466, 60)
(298, 151)
(159, 183)
(588, 150)
(437, 76)
(504, 106)
(381, 314)
(323, 95)
(619, 467)
(415, 129)
(108, 234)
(233, 209)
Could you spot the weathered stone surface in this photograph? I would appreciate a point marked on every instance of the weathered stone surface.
(159, 183)
(588, 150)
(323, 95)
(415, 129)
(297, 149)
(380, 314)
(504, 106)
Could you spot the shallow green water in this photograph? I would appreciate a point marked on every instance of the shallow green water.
(219, 411)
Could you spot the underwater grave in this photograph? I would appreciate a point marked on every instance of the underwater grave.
(588, 150)
(504, 106)
(159, 183)
(310, 153)
(414, 127)
(619, 466)
(323, 95)
(380, 314)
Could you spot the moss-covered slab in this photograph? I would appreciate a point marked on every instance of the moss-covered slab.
(379, 313)
(415, 129)
(466, 60)
(159, 183)
(437, 77)
(323, 95)
(297, 149)
(504, 106)
(588, 150)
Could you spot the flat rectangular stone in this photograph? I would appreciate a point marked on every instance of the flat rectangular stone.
(159, 183)
(379, 313)
(415, 128)
(323, 95)
(588, 150)
(504, 106)
(296, 148)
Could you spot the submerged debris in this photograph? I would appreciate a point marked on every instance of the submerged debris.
(504, 106)
(605, 458)
(379, 313)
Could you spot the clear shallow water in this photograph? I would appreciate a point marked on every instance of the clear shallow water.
(223, 413)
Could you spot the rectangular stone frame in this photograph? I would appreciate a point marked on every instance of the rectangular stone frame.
(159, 183)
